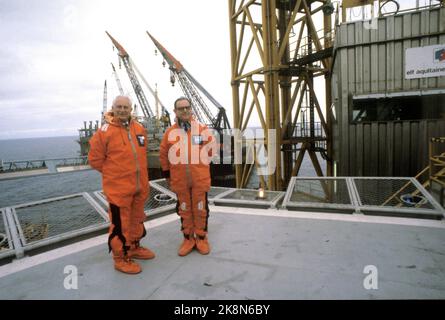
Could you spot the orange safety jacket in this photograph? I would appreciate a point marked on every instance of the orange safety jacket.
(185, 156)
(120, 154)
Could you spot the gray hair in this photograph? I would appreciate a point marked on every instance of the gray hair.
(122, 96)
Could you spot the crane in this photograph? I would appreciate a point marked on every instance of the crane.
(118, 81)
(121, 90)
(131, 68)
(190, 86)
(104, 106)
(165, 119)
(125, 57)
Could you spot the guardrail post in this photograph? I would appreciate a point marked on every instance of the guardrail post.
(15, 237)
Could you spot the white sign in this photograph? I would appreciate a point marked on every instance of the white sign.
(425, 62)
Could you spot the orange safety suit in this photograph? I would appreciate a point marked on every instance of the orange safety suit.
(185, 157)
(119, 153)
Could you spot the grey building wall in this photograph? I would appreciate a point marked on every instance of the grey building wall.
(371, 61)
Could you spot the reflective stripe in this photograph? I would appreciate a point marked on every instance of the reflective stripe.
(117, 228)
(138, 169)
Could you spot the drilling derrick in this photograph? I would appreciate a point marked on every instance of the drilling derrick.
(277, 50)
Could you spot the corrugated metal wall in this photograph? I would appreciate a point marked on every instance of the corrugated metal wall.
(395, 148)
(369, 61)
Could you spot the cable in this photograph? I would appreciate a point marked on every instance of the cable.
(387, 2)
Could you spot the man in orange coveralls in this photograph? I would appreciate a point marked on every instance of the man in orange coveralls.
(118, 151)
(185, 154)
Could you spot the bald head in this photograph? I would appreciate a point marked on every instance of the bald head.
(122, 99)
(122, 108)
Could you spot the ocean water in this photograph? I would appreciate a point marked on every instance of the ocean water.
(39, 148)
(27, 189)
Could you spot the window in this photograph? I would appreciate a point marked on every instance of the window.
(391, 108)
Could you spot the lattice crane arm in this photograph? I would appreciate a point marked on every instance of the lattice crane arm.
(165, 113)
(104, 106)
(173, 63)
(118, 81)
(145, 106)
(189, 86)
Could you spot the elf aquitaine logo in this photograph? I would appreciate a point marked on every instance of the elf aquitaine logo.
(439, 55)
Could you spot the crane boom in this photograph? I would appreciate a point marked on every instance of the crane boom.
(118, 81)
(145, 106)
(190, 92)
(104, 106)
(190, 86)
(165, 113)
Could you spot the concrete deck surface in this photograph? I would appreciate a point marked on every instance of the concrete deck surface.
(256, 254)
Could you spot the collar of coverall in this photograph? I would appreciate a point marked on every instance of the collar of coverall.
(185, 124)
(111, 119)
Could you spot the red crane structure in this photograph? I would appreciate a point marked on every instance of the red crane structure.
(131, 68)
(191, 88)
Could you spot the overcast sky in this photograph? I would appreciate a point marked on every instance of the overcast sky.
(55, 56)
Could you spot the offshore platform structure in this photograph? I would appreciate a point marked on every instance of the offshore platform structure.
(85, 135)
(388, 88)
(87, 132)
(278, 49)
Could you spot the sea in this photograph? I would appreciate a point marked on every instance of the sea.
(39, 148)
(26, 189)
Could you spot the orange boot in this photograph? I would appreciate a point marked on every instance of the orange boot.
(138, 252)
(202, 244)
(122, 262)
(187, 245)
(126, 265)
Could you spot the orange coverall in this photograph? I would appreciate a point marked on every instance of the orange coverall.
(190, 175)
(119, 153)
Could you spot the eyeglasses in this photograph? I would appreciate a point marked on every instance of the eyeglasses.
(182, 109)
